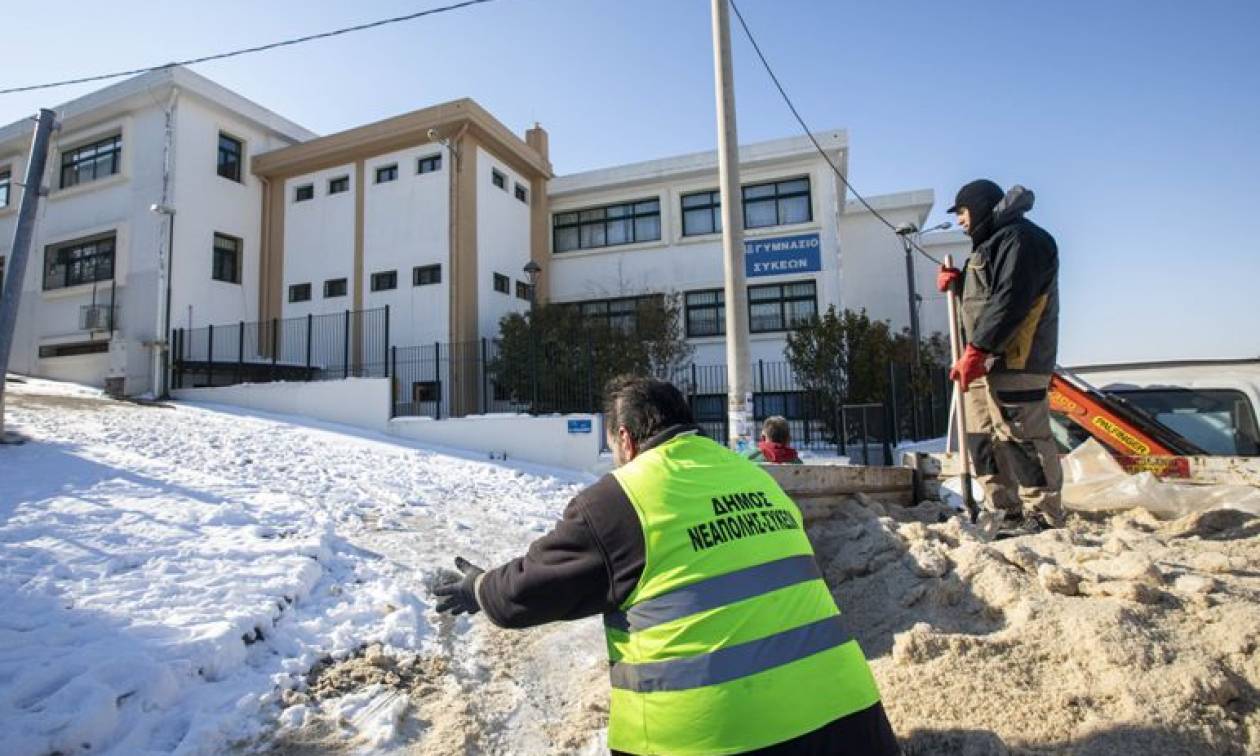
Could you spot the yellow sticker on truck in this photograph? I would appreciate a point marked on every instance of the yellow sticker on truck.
(1126, 439)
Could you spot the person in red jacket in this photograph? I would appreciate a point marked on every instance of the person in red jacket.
(775, 446)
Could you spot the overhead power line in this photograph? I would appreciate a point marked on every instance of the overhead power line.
(796, 113)
(247, 50)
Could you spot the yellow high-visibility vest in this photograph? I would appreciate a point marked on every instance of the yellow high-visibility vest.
(731, 641)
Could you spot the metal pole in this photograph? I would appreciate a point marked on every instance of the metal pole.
(485, 379)
(912, 297)
(739, 393)
(959, 397)
(393, 382)
(386, 341)
(437, 379)
(275, 346)
(240, 352)
(310, 326)
(20, 251)
(210, 355)
(345, 348)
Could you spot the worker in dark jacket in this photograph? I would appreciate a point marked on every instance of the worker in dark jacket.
(1010, 319)
(722, 636)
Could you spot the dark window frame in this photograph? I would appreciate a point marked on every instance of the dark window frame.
(782, 300)
(303, 189)
(617, 312)
(429, 164)
(711, 200)
(300, 292)
(718, 306)
(502, 284)
(627, 212)
(74, 160)
(6, 185)
(338, 185)
(520, 192)
(426, 275)
(389, 171)
(232, 170)
(328, 288)
(218, 254)
(53, 351)
(522, 291)
(384, 280)
(101, 261)
(498, 178)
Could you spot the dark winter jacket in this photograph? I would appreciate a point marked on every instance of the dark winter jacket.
(591, 562)
(1010, 289)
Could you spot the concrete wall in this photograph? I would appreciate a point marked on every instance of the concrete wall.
(406, 224)
(361, 402)
(541, 440)
(502, 243)
(319, 242)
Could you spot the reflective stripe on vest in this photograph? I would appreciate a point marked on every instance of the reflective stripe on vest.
(731, 640)
(731, 662)
(715, 592)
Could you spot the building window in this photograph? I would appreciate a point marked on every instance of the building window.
(386, 173)
(502, 283)
(425, 391)
(423, 275)
(229, 157)
(339, 185)
(430, 164)
(702, 213)
(226, 264)
(705, 313)
(385, 280)
(6, 181)
(522, 291)
(73, 350)
(334, 287)
(607, 226)
(300, 292)
(776, 203)
(521, 193)
(498, 179)
(79, 262)
(621, 313)
(781, 307)
(304, 192)
(91, 161)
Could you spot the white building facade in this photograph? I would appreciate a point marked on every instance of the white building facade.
(93, 306)
(433, 214)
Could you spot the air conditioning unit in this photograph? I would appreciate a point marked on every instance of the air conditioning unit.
(96, 317)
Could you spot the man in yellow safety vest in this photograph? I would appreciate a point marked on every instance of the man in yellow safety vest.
(722, 636)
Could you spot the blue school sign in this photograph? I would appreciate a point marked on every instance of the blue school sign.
(579, 426)
(782, 254)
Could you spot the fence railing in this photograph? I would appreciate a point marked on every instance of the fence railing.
(444, 380)
(353, 343)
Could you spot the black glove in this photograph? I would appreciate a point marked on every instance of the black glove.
(459, 594)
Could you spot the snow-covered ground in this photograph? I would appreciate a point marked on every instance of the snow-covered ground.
(168, 573)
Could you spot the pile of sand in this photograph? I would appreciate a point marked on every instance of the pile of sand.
(1121, 635)
(1116, 635)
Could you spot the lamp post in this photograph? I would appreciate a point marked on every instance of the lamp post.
(532, 271)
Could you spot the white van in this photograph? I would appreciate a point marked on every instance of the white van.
(1212, 403)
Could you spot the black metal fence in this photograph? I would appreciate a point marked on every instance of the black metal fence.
(443, 380)
(353, 343)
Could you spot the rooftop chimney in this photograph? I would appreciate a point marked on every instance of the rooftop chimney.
(537, 138)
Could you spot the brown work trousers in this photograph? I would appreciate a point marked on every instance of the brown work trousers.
(1014, 456)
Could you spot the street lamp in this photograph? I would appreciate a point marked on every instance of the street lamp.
(532, 271)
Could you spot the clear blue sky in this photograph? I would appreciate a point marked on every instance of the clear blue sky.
(1134, 121)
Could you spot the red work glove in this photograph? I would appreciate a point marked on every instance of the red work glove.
(970, 366)
(946, 278)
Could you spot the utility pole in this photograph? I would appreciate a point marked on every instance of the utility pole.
(18, 254)
(739, 387)
(904, 231)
